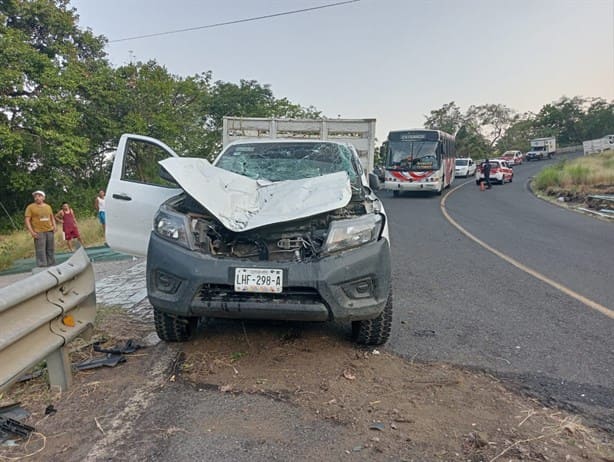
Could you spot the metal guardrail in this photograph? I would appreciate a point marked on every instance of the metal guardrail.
(39, 315)
(567, 149)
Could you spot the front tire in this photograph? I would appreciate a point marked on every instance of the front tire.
(374, 331)
(172, 328)
(443, 182)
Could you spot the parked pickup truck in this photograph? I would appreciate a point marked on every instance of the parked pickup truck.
(272, 229)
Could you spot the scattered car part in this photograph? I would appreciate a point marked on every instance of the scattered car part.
(110, 360)
(130, 346)
(16, 427)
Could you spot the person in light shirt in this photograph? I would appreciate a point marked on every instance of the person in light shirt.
(41, 226)
(99, 206)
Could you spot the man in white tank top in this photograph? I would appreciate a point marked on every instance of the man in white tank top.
(99, 206)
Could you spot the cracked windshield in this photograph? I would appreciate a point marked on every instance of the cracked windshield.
(291, 161)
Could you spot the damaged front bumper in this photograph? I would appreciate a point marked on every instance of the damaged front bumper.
(351, 285)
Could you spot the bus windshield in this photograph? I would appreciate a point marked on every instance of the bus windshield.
(413, 155)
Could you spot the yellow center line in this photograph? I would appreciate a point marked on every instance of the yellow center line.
(581, 298)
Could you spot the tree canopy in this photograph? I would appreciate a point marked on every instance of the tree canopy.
(489, 129)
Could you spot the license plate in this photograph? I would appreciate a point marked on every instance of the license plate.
(259, 280)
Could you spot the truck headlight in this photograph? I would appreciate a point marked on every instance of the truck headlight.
(173, 227)
(346, 234)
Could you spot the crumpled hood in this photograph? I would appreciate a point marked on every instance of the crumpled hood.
(242, 203)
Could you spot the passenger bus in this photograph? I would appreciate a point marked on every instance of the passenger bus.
(418, 160)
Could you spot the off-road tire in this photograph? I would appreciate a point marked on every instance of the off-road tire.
(374, 331)
(172, 328)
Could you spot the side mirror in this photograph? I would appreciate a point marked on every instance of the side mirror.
(374, 182)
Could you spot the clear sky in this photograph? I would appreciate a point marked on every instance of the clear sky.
(393, 60)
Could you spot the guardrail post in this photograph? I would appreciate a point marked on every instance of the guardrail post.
(59, 369)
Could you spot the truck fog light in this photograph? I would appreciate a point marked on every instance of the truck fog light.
(362, 288)
(166, 282)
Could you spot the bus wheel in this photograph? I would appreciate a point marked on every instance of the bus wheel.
(395, 193)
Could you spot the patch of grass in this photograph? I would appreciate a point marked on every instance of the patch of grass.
(548, 177)
(583, 173)
(18, 244)
(578, 174)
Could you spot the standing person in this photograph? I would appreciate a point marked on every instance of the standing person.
(66, 216)
(99, 206)
(486, 171)
(41, 225)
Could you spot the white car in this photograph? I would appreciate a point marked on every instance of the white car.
(465, 167)
(273, 229)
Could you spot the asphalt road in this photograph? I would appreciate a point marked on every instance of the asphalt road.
(457, 302)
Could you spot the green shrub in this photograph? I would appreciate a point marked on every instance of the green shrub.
(548, 177)
(578, 174)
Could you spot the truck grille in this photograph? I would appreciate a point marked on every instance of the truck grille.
(225, 292)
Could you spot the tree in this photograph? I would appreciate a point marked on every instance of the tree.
(518, 135)
(469, 141)
(44, 61)
(598, 120)
(562, 119)
(491, 120)
(448, 118)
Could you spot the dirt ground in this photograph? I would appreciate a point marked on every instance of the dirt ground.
(398, 409)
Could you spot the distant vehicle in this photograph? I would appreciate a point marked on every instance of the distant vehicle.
(542, 148)
(419, 160)
(512, 157)
(464, 167)
(500, 172)
(599, 145)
